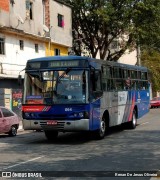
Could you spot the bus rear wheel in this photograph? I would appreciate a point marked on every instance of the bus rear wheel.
(133, 123)
(100, 133)
(51, 135)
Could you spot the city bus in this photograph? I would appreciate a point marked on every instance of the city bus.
(74, 93)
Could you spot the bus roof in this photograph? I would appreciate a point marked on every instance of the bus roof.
(52, 58)
(96, 63)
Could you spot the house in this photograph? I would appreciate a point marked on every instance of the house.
(59, 23)
(30, 29)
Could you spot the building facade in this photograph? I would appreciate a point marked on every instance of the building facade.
(59, 23)
(30, 29)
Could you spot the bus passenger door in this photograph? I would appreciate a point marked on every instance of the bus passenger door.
(95, 98)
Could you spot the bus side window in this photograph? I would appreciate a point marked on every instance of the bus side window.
(145, 85)
(119, 84)
(96, 84)
(125, 74)
(104, 78)
(97, 81)
(127, 83)
(112, 85)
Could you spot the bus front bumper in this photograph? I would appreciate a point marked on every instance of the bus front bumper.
(63, 125)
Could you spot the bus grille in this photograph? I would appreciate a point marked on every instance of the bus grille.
(51, 116)
(59, 126)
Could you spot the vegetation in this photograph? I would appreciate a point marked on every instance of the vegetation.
(99, 23)
(151, 59)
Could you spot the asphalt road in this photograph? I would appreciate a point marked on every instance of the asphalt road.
(77, 154)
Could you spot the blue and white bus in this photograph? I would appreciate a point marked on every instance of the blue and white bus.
(74, 93)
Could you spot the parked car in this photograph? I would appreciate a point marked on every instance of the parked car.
(9, 121)
(155, 102)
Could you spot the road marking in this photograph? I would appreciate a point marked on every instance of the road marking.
(24, 162)
(144, 123)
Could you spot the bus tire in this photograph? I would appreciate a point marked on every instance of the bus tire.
(100, 133)
(133, 123)
(51, 135)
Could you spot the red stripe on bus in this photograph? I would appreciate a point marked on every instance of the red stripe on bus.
(132, 108)
(34, 108)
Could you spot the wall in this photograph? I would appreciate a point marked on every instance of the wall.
(11, 98)
(63, 50)
(61, 35)
(15, 59)
(16, 17)
(4, 5)
(129, 58)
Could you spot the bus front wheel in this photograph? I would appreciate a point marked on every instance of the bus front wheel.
(100, 133)
(51, 135)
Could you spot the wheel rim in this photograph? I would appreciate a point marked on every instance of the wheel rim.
(14, 131)
(134, 120)
(103, 127)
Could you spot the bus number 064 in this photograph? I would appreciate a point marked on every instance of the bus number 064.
(68, 109)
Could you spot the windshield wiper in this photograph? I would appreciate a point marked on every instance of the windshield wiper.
(63, 74)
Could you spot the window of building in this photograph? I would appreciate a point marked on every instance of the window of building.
(60, 20)
(21, 44)
(56, 52)
(2, 47)
(29, 9)
(36, 48)
(43, 3)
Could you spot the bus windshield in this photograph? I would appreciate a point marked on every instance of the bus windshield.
(56, 87)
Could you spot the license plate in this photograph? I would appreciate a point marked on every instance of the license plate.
(52, 123)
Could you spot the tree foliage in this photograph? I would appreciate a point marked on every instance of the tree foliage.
(151, 59)
(98, 23)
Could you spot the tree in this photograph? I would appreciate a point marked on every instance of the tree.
(99, 23)
(151, 59)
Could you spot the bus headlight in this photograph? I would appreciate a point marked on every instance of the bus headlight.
(27, 114)
(32, 115)
(83, 114)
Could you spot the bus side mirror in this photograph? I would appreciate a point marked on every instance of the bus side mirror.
(19, 79)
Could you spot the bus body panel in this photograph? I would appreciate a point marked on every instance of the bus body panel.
(95, 115)
(63, 125)
(64, 115)
(143, 102)
(85, 116)
(118, 105)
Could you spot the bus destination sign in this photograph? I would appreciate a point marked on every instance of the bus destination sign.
(63, 64)
(34, 65)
